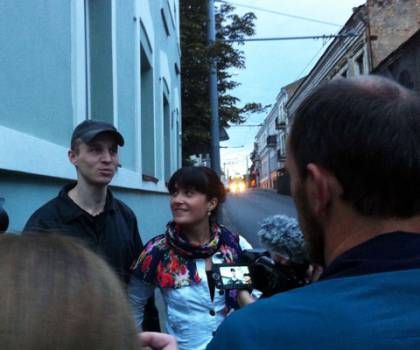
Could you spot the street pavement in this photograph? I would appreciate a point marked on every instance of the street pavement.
(243, 213)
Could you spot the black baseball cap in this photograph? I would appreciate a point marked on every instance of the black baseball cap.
(89, 129)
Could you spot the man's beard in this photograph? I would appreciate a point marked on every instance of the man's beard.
(311, 228)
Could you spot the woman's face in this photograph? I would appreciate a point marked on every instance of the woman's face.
(190, 207)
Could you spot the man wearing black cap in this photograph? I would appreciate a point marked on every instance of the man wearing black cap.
(87, 209)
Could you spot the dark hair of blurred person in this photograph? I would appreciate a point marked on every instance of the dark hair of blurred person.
(56, 294)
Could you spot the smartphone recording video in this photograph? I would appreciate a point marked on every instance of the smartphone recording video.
(232, 277)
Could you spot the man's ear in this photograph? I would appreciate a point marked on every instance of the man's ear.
(72, 156)
(318, 188)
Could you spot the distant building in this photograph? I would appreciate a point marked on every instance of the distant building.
(381, 37)
(384, 40)
(66, 61)
(395, 40)
(270, 142)
(266, 144)
(403, 64)
(346, 56)
(391, 24)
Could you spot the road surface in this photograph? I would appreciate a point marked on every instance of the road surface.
(243, 213)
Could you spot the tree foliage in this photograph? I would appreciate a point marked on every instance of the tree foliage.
(195, 67)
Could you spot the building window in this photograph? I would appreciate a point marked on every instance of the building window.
(100, 101)
(283, 144)
(147, 115)
(359, 63)
(167, 137)
(165, 22)
(179, 140)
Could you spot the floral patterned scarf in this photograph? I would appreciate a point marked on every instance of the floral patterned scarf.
(168, 260)
(180, 244)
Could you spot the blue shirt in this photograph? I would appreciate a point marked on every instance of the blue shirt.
(368, 298)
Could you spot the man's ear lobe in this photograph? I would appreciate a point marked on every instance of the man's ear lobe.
(318, 188)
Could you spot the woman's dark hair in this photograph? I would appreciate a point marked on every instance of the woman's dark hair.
(200, 179)
(366, 132)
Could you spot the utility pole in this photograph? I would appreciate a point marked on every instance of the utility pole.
(214, 102)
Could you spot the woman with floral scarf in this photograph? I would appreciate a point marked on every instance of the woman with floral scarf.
(179, 262)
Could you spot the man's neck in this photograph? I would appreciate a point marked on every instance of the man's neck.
(350, 229)
(92, 199)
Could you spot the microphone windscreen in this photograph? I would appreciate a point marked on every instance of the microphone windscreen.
(281, 234)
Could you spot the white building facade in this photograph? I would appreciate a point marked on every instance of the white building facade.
(270, 142)
(64, 61)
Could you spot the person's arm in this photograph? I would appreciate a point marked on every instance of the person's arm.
(150, 314)
(246, 297)
(138, 294)
(136, 238)
(158, 341)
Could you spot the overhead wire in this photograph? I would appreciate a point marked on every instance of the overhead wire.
(294, 38)
(280, 13)
(310, 62)
(291, 38)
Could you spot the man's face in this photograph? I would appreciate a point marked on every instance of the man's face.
(311, 227)
(96, 162)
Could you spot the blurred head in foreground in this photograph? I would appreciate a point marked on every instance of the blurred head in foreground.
(55, 294)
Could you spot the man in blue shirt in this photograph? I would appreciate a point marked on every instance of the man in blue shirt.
(354, 161)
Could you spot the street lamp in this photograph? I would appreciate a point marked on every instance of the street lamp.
(213, 93)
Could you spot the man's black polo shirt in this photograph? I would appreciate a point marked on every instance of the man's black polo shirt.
(113, 234)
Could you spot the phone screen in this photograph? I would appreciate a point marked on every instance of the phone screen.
(235, 276)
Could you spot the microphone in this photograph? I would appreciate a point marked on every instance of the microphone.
(281, 236)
